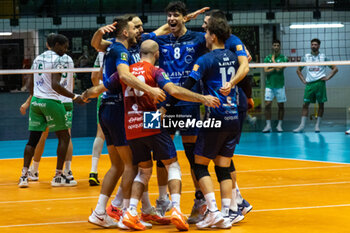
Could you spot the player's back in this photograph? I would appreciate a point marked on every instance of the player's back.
(42, 81)
(218, 67)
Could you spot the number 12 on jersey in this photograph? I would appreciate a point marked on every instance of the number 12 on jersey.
(226, 72)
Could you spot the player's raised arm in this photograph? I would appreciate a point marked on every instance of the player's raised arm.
(97, 42)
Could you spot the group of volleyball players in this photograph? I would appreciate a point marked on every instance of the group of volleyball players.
(214, 63)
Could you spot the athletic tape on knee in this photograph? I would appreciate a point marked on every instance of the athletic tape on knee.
(232, 167)
(222, 173)
(174, 171)
(200, 171)
(143, 175)
(189, 151)
(34, 138)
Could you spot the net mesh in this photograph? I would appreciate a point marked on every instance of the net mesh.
(24, 26)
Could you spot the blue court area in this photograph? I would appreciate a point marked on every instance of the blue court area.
(327, 146)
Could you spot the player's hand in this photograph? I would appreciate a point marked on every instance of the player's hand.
(250, 103)
(248, 54)
(157, 94)
(108, 28)
(304, 81)
(162, 110)
(194, 15)
(23, 108)
(211, 101)
(85, 96)
(79, 100)
(325, 78)
(226, 89)
(273, 58)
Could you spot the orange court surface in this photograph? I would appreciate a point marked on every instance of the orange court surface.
(287, 196)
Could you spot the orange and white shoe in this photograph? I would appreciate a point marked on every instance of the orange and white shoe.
(178, 220)
(114, 212)
(132, 220)
(154, 217)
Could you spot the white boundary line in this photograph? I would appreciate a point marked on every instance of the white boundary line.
(254, 211)
(183, 192)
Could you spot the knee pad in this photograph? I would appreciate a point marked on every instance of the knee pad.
(222, 173)
(174, 171)
(189, 151)
(200, 171)
(143, 175)
(232, 167)
(34, 138)
(160, 164)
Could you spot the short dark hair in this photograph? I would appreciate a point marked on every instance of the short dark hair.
(60, 39)
(122, 23)
(275, 41)
(49, 39)
(176, 6)
(130, 15)
(316, 40)
(220, 28)
(216, 13)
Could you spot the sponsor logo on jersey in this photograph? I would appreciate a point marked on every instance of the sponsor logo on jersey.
(165, 76)
(188, 59)
(124, 56)
(239, 47)
(195, 67)
(190, 50)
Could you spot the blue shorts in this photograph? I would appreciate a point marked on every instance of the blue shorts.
(111, 115)
(209, 144)
(161, 144)
(188, 112)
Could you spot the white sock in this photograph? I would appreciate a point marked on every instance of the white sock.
(211, 201)
(58, 172)
(96, 152)
(279, 125)
(101, 204)
(133, 203)
(162, 192)
(303, 121)
(35, 166)
(239, 198)
(319, 119)
(175, 199)
(127, 203)
(146, 203)
(225, 205)
(67, 165)
(268, 123)
(24, 171)
(118, 199)
(233, 204)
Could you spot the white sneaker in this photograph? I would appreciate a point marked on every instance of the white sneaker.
(102, 220)
(68, 174)
(23, 182)
(267, 129)
(300, 129)
(279, 128)
(347, 132)
(226, 224)
(211, 218)
(33, 176)
(61, 180)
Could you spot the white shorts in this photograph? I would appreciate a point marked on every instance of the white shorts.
(279, 93)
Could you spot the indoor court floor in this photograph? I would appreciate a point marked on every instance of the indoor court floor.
(295, 182)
